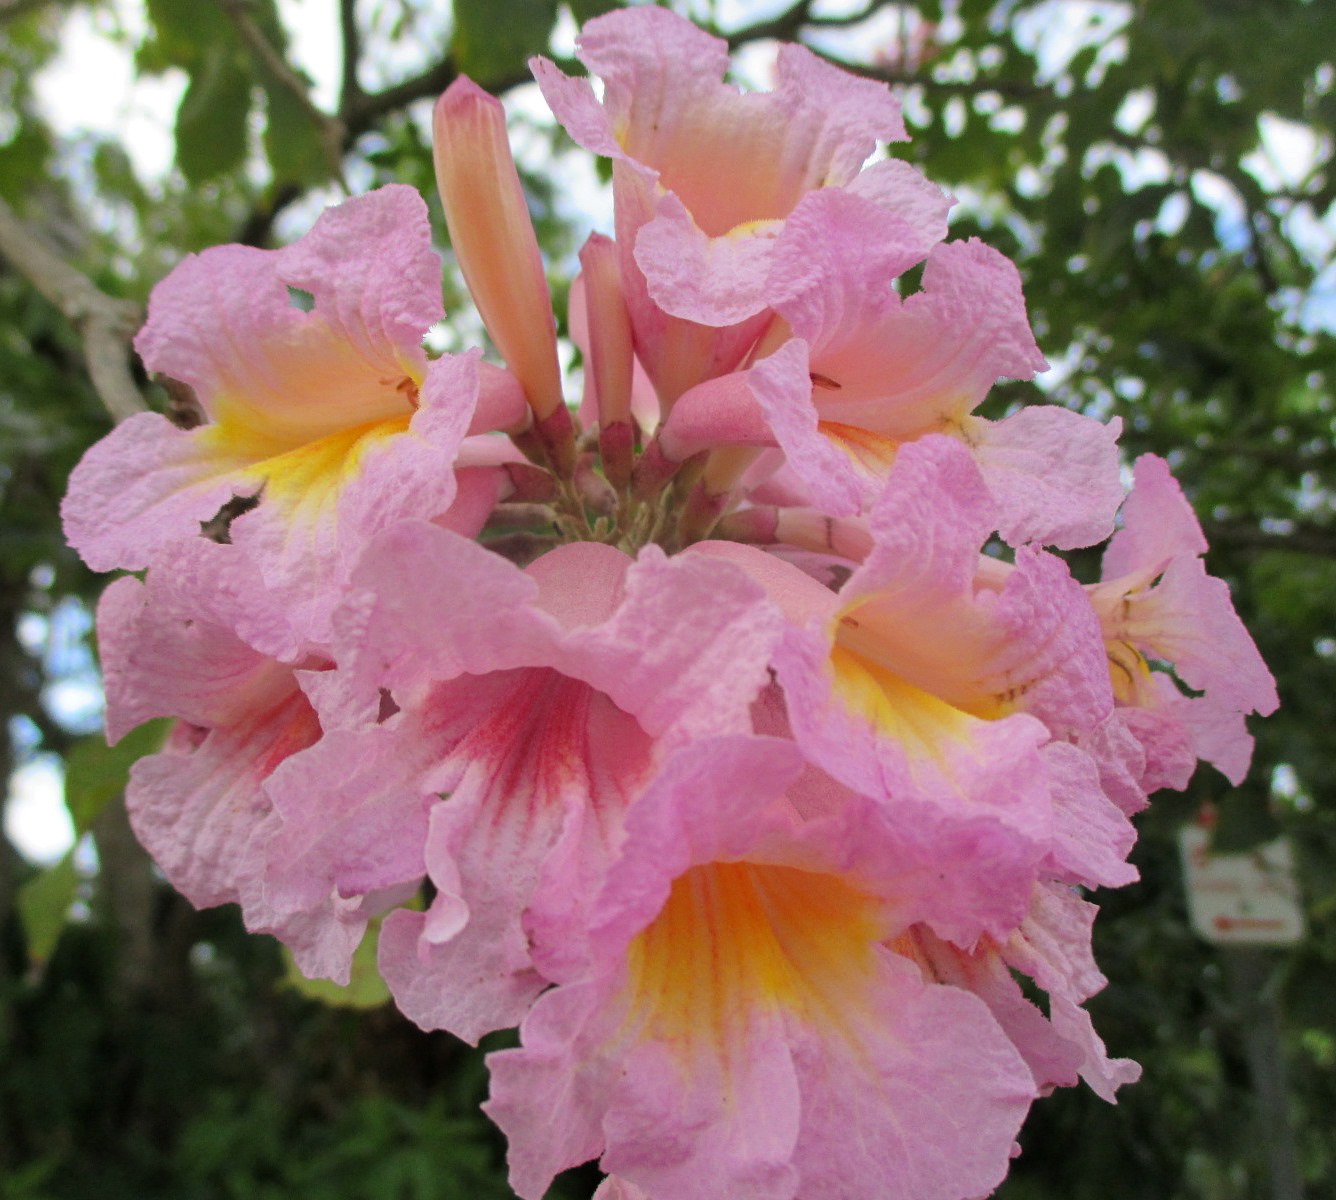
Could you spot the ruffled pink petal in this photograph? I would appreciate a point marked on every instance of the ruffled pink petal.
(922, 606)
(1053, 472)
(713, 281)
(165, 657)
(1053, 1061)
(201, 810)
(375, 281)
(942, 1065)
(840, 468)
(686, 651)
(902, 190)
(1166, 754)
(1055, 642)
(1052, 945)
(351, 823)
(148, 483)
(836, 261)
(1053, 948)
(1158, 524)
(1218, 736)
(1188, 619)
(578, 110)
(426, 604)
(1091, 835)
(539, 769)
(1105, 1075)
(196, 807)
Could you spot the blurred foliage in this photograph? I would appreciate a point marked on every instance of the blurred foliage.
(1175, 279)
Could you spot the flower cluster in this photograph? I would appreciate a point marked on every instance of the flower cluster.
(737, 737)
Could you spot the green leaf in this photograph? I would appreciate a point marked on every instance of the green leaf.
(494, 38)
(587, 10)
(44, 904)
(184, 32)
(96, 774)
(291, 140)
(365, 989)
(211, 122)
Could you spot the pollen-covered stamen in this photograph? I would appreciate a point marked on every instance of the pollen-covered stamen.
(408, 388)
(1129, 672)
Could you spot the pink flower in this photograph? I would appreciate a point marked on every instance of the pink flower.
(937, 677)
(541, 703)
(867, 372)
(705, 176)
(754, 844)
(332, 418)
(1156, 603)
(170, 648)
(744, 1026)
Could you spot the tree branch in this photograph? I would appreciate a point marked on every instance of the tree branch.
(333, 132)
(350, 91)
(1302, 539)
(841, 22)
(429, 83)
(782, 28)
(1013, 89)
(106, 324)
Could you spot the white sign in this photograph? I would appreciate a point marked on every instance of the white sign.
(1250, 899)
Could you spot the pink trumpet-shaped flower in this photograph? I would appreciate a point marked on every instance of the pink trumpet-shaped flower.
(539, 703)
(744, 1026)
(705, 176)
(331, 418)
(928, 681)
(170, 647)
(868, 371)
(1157, 603)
